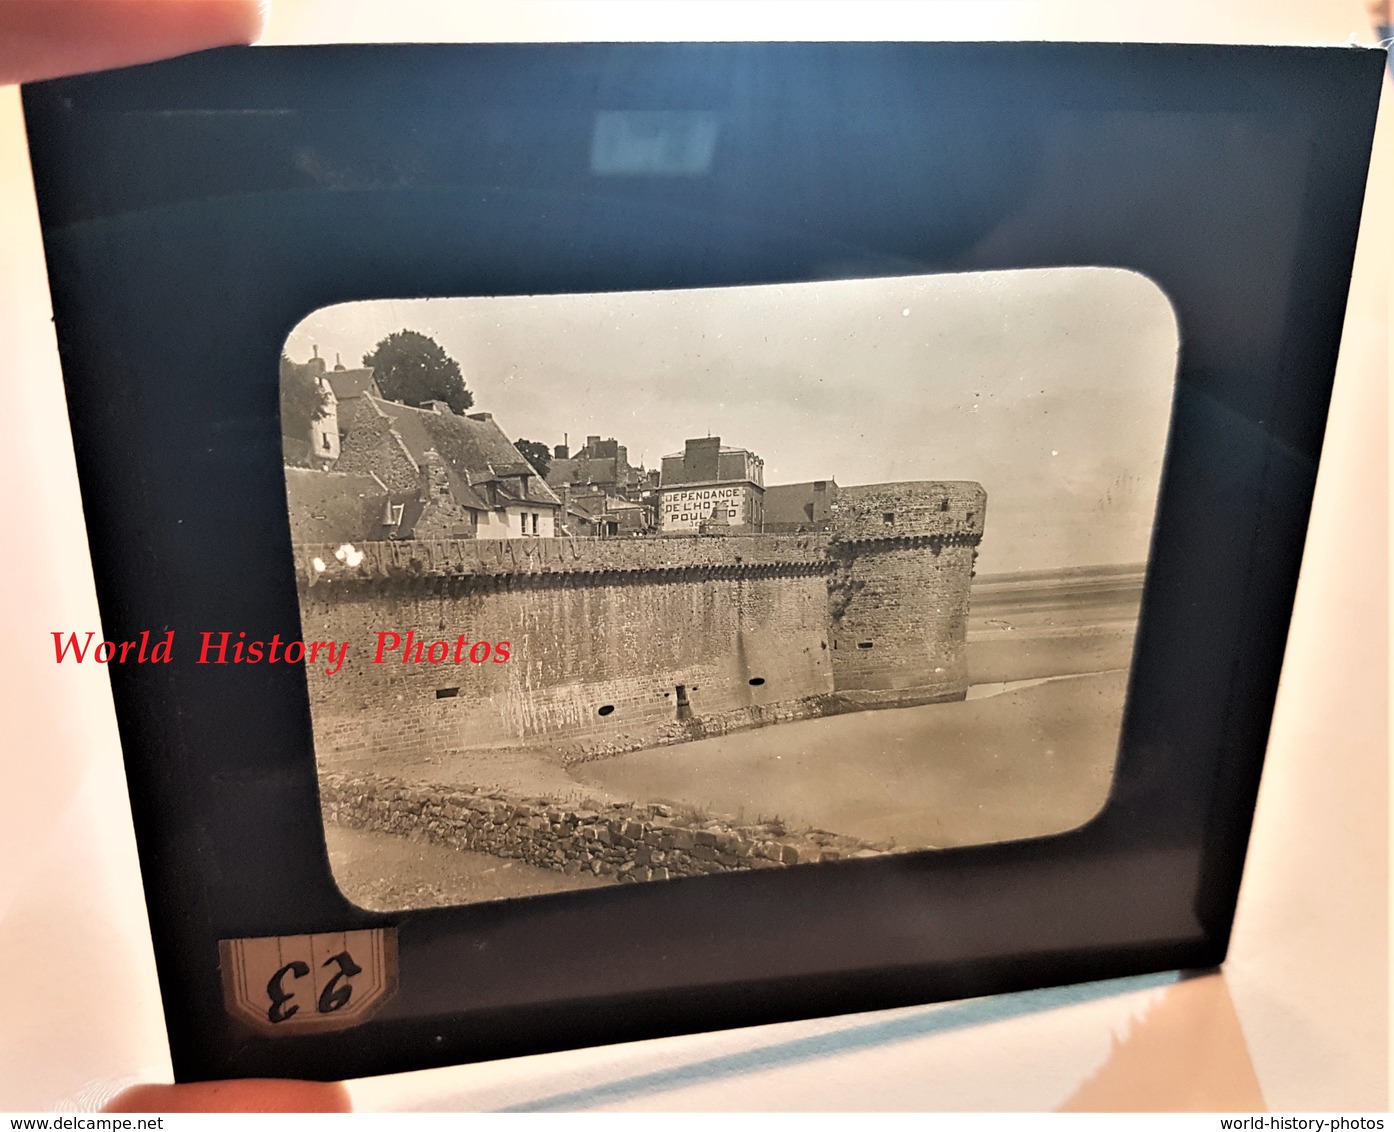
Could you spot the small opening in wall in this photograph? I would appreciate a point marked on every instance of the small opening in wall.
(970, 515)
(756, 681)
(605, 709)
(888, 517)
(864, 644)
(447, 693)
(943, 505)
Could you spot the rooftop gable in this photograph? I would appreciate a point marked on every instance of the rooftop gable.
(474, 449)
(348, 383)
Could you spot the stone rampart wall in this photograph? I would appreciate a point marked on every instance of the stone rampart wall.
(595, 665)
(620, 644)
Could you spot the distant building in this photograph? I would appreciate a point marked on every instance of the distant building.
(793, 508)
(615, 496)
(708, 487)
(590, 511)
(601, 463)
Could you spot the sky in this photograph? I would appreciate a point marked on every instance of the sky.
(1052, 388)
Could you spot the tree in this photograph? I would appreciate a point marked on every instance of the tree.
(303, 400)
(412, 368)
(537, 454)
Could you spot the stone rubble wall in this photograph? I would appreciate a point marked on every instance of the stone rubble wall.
(623, 842)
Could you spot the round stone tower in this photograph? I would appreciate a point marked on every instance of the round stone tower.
(898, 597)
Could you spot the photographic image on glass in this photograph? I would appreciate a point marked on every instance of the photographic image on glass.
(637, 587)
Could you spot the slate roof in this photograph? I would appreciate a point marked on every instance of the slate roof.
(474, 452)
(334, 507)
(584, 470)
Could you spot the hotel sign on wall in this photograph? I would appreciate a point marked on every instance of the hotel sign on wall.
(689, 508)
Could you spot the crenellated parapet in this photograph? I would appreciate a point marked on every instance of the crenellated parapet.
(412, 560)
(949, 511)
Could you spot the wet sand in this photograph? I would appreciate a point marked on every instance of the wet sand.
(1053, 624)
(1025, 763)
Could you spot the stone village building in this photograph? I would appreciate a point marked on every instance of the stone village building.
(592, 513)
(450, 476)
(602, 493)
(387, 471)
(416, 473)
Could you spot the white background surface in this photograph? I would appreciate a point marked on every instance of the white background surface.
(1308, 972)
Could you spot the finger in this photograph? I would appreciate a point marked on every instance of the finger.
(267, 1095)
(42, 39)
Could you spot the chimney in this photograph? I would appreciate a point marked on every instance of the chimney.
(701, 458)
(561, 452)
(591, 443)
(435, 407)
(480, 416)
(338, 364)
(316, 363)
(434, 480)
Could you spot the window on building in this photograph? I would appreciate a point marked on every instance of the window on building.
(327, 446)
(394, 514)
(534, 522)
